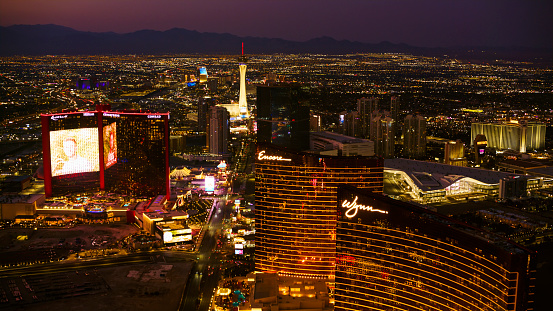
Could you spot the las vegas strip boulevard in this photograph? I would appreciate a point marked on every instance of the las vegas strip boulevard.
(394, 255)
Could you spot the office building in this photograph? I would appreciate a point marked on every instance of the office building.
(392, 255)
(295, 207)
(394, 108)
(513, 187)
(219, 130)
(382, 134)
(315, 123)
(366, 107)
(351, 124)
(283, 116)
(454, 153)
(479, 143)
(514, 135)
(414, 137)
(121, 152)
(203, 75)
(203, 106)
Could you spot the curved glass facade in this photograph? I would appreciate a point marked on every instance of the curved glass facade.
(395, 256)
(295, 213)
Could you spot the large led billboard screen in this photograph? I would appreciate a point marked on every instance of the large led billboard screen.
(110, 145)
(74, 151)
(210, 183)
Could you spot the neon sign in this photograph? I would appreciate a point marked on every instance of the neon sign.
(262, 156)
(57, 117)
(353, 208)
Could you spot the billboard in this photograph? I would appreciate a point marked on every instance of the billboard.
(74, 151)
(110, 145)
(210, 183)
(168, 237)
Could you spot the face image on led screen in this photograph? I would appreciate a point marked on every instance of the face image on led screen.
(74, 151)
(110, 145)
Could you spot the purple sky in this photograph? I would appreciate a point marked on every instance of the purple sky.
(416, 22)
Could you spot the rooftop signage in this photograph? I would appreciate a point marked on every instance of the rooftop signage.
(353, 207)
(261, 156)
(57, 117)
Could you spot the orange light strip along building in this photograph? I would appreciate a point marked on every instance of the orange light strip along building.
(393, 255)
(295, 211)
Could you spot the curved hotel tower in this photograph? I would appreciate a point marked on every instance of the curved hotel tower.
(391, 255)
(295, 215)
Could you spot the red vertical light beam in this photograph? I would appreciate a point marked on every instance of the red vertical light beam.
(242, 48)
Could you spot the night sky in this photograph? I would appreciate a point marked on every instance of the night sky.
(428, 23)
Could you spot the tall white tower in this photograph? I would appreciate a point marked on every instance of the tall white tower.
(242, 102)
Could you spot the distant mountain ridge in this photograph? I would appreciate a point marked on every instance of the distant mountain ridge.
(59, 40)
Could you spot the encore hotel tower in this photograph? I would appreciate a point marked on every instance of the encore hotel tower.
(392, 255)
(295, 215)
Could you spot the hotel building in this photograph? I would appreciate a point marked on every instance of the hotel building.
(512, 135)
(295, 215)
(283, 116)
(123, 152)
(391, 255)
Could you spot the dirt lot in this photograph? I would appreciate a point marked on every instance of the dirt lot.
(52, 237)
(153, 287)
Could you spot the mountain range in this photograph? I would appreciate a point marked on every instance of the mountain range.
(59, 40)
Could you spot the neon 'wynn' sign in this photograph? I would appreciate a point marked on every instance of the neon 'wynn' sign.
(262, 156)
(353, 207)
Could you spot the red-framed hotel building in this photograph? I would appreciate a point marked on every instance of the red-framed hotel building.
(140, 166)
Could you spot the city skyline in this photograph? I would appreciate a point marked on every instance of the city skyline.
(428, 23)
(143, 167)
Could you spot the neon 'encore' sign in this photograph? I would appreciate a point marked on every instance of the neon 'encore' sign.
(353, 208)
(261, 156)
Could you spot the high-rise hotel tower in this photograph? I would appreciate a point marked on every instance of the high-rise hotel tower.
(392, 255)
(295, 215)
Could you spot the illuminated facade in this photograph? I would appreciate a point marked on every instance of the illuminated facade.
(295, 215)
(391, 255)
(431, 182)
(454, 153)
(70, 144)
(120, 152)
(512, 135)
(242, 101)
